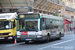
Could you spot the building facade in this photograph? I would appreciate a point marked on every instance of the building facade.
(68, 12)
(42, 6)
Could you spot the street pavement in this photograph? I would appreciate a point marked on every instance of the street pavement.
(66, 43)
(69, 32)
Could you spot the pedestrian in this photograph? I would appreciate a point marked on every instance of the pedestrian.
(70, 28)
(74, 30)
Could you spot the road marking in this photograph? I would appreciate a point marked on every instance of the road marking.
(15, 44)
(55, 44)
(70, 35)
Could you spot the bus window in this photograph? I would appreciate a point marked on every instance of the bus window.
(5, 25)
(21, 24)
(31, 25)
(51, 27)
(55, 26)
(43, 24)
(43, 20)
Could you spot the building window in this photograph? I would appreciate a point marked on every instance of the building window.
(35, 0)
(44, 12)
(0, 10)
(39, 11)
(35, 10)
(48, 13)
(30, 9)
(13, 10)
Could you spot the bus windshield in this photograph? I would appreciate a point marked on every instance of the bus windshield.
(28, 24)
(31, 25)
(5, 25)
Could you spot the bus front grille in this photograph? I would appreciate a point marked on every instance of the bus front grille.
(4, 34)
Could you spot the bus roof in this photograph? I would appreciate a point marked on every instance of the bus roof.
(28, 13)
(51, 16)
(8, 16)
(45, 16)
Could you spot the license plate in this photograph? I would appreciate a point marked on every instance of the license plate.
(2, 38)
(28, 39)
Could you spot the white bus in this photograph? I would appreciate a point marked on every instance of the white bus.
(39, 27)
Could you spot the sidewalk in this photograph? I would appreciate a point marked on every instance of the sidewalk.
(69, 32)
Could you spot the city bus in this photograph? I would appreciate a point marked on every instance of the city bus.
(8, 26)
(39, 27)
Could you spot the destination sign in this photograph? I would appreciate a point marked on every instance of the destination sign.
(32, 16)
(28, 15)
(22, 16)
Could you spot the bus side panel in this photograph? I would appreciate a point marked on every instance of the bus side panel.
(44, 34)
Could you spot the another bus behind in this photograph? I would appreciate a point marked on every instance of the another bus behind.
(8, 26)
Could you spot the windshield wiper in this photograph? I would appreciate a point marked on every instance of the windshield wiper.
(22, 30)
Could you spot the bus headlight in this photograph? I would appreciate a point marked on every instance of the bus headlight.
(9, 37)
(9, 33)
(18, 36)
(18, 33)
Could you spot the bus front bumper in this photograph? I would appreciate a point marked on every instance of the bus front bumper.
(30, 38)
(6, 38)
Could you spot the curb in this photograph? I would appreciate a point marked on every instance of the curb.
(69, 32)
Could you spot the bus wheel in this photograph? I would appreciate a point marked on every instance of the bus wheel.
(59, 37)
(26, 42)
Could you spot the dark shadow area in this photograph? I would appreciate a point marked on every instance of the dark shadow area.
(30, 43)
(9, 42)
(39, 42)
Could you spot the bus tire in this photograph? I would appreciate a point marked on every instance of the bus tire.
(59, 37)
(26, 42)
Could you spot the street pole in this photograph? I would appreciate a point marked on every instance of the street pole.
(72, 20)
